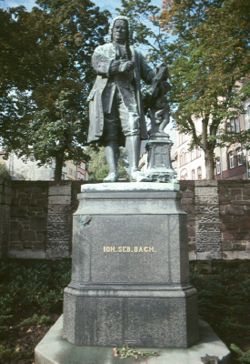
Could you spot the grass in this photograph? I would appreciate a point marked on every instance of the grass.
(31, 294)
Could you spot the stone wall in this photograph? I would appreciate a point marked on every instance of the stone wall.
(28, 217)
(234, 204)
(36, 218)
(218, 218)
(187, 202)
(41, 219)
(5, 196)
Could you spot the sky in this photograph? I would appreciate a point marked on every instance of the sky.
(103, 4)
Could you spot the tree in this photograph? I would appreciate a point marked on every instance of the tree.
(18, 63)
(147, 31)
(17, 49)
(52, 125)
(210, 67)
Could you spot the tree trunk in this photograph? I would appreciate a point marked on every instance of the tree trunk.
(209, 163)
(58, 168)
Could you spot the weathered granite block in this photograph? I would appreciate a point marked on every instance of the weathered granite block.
(106, 316)
(208, 234)
(130, 269)
(59, 223)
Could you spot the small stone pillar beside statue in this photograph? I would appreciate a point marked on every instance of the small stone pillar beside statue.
(159, 168)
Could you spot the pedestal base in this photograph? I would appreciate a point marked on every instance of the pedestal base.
(130, 269)
(55, 350)
(157, 317)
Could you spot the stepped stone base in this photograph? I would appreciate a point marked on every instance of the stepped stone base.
(53, 349)
(150, 317)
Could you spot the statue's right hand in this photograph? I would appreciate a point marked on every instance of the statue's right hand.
(114, 67)
(121, 67)
(129, 66)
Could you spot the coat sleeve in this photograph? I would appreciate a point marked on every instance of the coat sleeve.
(100, 62)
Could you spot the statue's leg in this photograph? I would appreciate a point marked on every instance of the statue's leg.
(130, 121)
(111, 131)
(133, 144)
(112, 155)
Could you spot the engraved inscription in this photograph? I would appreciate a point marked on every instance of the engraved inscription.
(128, 249)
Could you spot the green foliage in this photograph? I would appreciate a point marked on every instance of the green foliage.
(209, 65)
(17, 44)
(228, 138)
(26, 290)
(35, 320)
(30, 301)
(147, 32)
(45, 112)
(243, 356)
(224, 295)
(98, 167)
(6, 354)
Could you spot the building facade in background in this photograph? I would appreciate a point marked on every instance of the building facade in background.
(29, 170)
(231, 162)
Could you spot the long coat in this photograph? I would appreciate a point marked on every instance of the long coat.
(101, 61)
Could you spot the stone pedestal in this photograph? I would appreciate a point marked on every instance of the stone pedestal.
(130, 269)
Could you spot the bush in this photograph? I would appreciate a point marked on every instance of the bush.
(29, 288)
(223, 301)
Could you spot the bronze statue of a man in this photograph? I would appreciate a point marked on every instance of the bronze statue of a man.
(115, 108)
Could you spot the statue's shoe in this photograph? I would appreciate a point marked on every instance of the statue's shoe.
(138, 176)
(111, 177)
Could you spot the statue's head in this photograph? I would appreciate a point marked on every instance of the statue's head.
(120, 30)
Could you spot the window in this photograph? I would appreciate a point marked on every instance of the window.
(181, 139)
(183, 174)
(218, 166)
(198, 154)
(193, 154)
(231, 160)
(182, 157)
(239, 157)
(233, 126)
(199, 173)
(248, 164)
(248, 112)
(193, 174)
